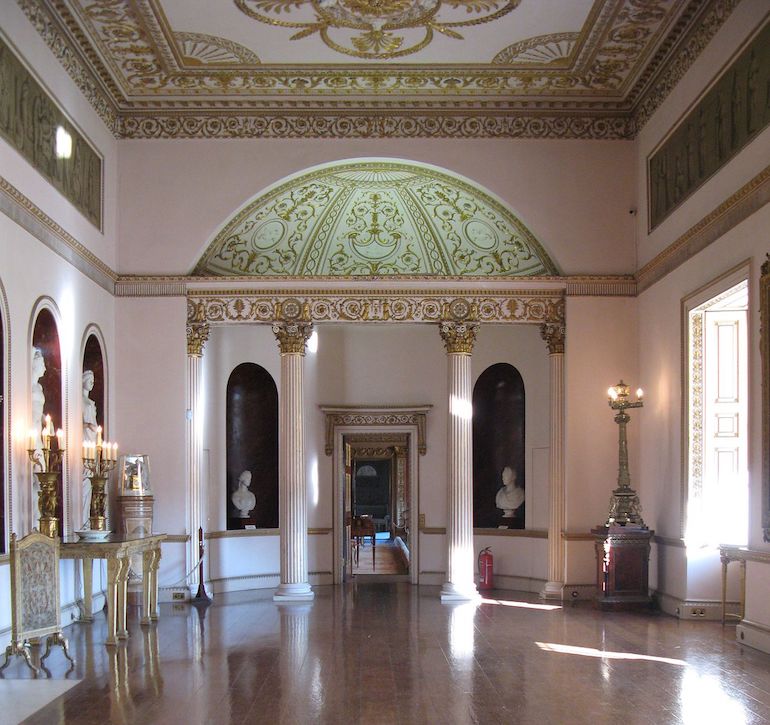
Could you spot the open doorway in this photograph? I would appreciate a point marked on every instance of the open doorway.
(376, 506)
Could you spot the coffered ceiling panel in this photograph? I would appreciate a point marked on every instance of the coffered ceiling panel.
(212, 64)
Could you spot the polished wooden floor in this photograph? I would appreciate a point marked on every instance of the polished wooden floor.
(392, 653)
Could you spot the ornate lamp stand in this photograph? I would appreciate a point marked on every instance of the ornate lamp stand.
(624, 502)
(622, 543)
(49, 462)
(98, 460)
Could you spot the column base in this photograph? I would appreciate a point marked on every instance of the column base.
(553, 590)
(455, 593)
(293, 593)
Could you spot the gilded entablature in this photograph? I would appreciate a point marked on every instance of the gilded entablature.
(516, 306)
(332, 68)
(375, 218)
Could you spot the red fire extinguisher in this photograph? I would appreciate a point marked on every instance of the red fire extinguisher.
(486, 575)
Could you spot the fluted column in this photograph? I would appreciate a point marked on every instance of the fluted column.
(292, 336)
(197, 335)
(459, 338)
(553, 334)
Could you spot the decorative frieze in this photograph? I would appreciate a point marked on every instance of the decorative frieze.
(553, 334)
(386, 305)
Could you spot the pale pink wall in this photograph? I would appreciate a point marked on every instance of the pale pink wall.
(738, 171)
(151, 352)
(600, 350)
(683, 573)
(29, 44)
(573, 195)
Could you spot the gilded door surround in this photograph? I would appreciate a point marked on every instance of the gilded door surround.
(382, 425)
(603, 81)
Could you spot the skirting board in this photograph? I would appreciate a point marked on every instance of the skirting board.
(753, 634)
(694, 609)
(244, 583)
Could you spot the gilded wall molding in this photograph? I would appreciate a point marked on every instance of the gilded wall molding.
(385, 305)
(749, 198)
(31, 218)
(458, 337)
(367, 416)
(553, 334)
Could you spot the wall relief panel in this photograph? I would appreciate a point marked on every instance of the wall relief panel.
(29, 120)
(732, 113)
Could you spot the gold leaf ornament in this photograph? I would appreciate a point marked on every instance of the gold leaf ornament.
(364, 28)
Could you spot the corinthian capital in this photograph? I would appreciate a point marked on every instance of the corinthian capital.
(292, 335)
(553, 333)
(197, 334)
(459, 337)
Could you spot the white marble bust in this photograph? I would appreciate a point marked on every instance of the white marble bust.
(510, 496)
(243, 499)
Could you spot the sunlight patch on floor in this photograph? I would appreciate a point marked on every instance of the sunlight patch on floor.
(567, 649)
(522, 605)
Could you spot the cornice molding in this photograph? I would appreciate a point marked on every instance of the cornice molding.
(573, 118)
(373, 122)
(743, 203)
(34, 220)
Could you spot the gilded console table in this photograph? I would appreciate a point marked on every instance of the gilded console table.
(118, 549)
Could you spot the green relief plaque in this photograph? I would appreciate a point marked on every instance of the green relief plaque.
(29, 120)
(733, 112)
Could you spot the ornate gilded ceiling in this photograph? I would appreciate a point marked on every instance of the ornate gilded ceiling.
(375, 218)
(343, 68)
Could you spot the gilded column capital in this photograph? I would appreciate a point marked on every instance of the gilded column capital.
(197, 335)
(292, 335)
(459, 337)
(553, 333)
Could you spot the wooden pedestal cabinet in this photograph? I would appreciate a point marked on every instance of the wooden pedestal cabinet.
(622, 564)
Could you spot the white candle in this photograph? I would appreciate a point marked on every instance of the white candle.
(114, 451)
(60, 439)
(98, 436)
(32, 439)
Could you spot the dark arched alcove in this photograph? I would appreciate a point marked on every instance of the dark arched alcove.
(93, 360)
(252, 444)
(45, 337)
(2, 434)
(498, 441)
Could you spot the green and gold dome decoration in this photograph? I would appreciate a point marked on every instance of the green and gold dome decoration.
(375, 218)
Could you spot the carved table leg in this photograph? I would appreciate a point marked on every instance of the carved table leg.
(113, 571)
(125, 565)
(88, 590)
(154, 583)
(147, 557)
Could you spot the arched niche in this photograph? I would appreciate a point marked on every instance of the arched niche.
(252, 444)
(3, 394)
(93, 360)
(498, 441)
(45, 337)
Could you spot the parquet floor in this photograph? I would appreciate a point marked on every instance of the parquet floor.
(384, 558)
(392, 653)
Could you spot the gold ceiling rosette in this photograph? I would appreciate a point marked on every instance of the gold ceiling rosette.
(369, 29)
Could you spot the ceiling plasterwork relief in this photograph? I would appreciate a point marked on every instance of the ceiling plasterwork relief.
(375, 29)
(375, 219)
(149, 78)
(142, 52)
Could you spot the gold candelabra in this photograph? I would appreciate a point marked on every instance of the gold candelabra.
(624, 502)
(99, 460)
(48, 464)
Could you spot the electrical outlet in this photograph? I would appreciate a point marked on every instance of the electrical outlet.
(177, 596)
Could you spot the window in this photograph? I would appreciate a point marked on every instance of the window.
(717, 463)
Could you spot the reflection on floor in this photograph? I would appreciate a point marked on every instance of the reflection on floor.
(393, 653)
